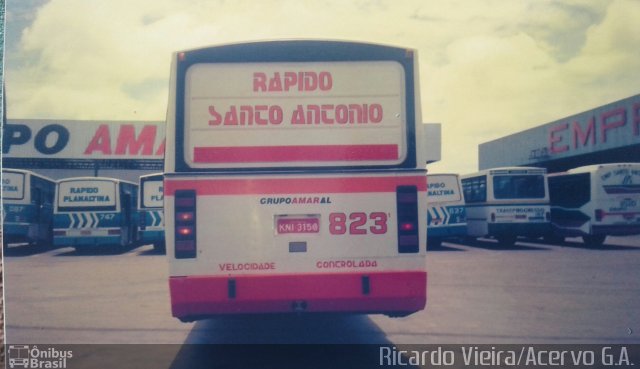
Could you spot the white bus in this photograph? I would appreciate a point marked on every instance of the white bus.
(295, 180)
(95, 211)
(595, 201)
(446, 213)
(505, 203)
(151, 210)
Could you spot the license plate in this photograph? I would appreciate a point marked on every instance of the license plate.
(297, 224)
(85, 233)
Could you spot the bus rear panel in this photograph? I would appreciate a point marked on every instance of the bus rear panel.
(293, 184)
(505, 203)
(287, 242)
(95, 211)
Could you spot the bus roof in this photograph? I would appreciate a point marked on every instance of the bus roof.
(28, 172)
(152, 176)
(596, 167)
(116, 180)
(508, 170)
(442, 174)
(296, 41)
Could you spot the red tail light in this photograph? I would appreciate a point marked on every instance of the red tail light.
(185, 224)
(407, 205)
(407, 226)
(185, 216)
(184, 231)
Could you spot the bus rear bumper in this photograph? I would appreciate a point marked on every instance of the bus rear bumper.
(396, 293)
(520, 229)
(16, 231)
(86, 241)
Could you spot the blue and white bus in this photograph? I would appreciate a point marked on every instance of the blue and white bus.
(505, 203)
(595, 201)
(95, 211)
(151, 210)
(27, 211)
(446, 213)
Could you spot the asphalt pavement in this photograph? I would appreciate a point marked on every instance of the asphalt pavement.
(478, 293)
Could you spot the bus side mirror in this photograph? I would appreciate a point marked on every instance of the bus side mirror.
(433, 137)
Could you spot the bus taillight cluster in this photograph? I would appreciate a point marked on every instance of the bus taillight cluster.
(185, 224)
(407, 204)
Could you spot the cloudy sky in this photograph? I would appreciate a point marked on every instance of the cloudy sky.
(488, 68)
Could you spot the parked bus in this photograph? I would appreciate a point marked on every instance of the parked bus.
(295, 180)
(595, 201)
(151, 210)
(95, 211)
(27, 211)
(446, 214)
(505, 203)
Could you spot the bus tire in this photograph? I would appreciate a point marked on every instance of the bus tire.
(507, 240)
(594, 239)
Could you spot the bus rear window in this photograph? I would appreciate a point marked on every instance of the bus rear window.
(152, 194)
(475, 189)
(518, 187)
(87, 195)
(295, 114)
(570, 190)
(12, 186)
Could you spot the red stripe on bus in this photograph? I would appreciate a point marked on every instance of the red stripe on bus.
(274, 186)
(306, 153)
(388, 292)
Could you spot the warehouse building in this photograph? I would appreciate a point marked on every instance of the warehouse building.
(72, 148)
(607, 134)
